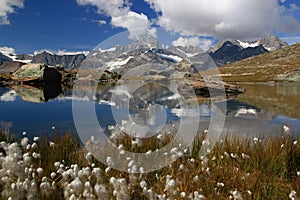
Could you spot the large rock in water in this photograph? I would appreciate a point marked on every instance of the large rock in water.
(37, 73)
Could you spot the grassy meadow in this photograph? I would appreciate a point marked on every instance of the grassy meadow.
(255, 168)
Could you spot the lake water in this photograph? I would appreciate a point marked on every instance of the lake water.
(262, 110)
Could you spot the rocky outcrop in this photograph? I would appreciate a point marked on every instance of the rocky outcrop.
(10, 66)
(64, 61)
(23, 57)
(214, 89)
(272, 43)
(37, 73)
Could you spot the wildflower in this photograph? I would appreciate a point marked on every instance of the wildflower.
(45, 187)
(298, 173)
(53, 175)
(181, 167)
(35, 139)
(36, 155)
(292, 195)
(249, 192)
(148, 152)
(236, 195)
(295, 142)
(220, 184)
(226, 154)
(255, 139)
(34, 146)
(286, 130)
(40, 170)
(142, 170)
(205, 142)
(101, 191)
(143, 184)
(245, 156)
(109, 161)
(107, 169)
(24, 142)
(76, 185)
(159, 136)
(196, 179)
(282, 146)
(122, 152)
(170, 184)
(134, 169)
(53, 127)
(130, 164)
(235, 156)
(51, 144)
(57, 165)
(182, 194)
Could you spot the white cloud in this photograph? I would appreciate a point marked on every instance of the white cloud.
(193, 41)
(291, 39)
(101, 22)
(121, 15)
(243, 19)
(110, 8)
(137, 24)
(7, 50)
(8, 7)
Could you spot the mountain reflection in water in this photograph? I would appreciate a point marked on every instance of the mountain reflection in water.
(38, 110)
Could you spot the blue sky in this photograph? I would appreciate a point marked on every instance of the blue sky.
(76, 25)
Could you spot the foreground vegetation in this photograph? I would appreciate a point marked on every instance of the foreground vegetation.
(256, 168)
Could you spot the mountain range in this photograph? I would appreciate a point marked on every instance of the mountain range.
(141, 51)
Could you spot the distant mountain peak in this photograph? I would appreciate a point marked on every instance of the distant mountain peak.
(146, 41)
(270, 42)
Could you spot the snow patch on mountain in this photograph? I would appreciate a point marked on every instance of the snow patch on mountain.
(107, 50)
(248, 44)
(117, 63)
(10, 53)
(61, 52)
(170, 57)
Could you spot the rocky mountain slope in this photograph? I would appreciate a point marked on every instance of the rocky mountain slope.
(225, 52)
(63, 61)
(279, 65)
(229, 53)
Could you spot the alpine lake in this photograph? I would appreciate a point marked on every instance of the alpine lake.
(263, 109)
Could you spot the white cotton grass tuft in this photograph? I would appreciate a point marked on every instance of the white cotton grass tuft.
(292, 195)
(286, 130)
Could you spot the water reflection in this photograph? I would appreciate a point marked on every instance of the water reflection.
(281, 99)
(262, 110)
(32, 93)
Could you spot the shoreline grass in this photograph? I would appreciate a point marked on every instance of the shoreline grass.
(235, 168)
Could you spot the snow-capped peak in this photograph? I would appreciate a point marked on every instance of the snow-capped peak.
(10, 53)
(7, 50)
(245, 44)
(60, 52)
